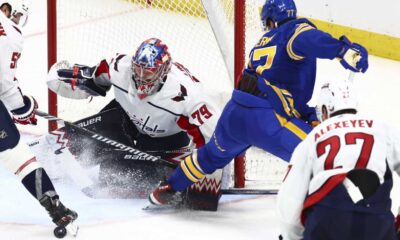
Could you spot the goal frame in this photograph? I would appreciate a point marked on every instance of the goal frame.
(239, 63)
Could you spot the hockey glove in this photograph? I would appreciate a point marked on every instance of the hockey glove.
(353, 56)
(248, 83)
(86, 78)
(26, 114)
(79, 81)
(310, 116)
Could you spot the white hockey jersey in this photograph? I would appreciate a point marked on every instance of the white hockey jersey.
(11, 44)
(180, 105)
(322, 160)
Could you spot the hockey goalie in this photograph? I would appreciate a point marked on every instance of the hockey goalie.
(159, 108)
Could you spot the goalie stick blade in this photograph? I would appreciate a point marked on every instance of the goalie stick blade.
(108, 142)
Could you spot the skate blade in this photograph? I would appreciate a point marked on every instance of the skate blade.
(158, 207)
(166, 208)
(72, 229)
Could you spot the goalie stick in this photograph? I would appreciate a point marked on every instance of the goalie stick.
(351, 77)
(141, 155)
(144, 155)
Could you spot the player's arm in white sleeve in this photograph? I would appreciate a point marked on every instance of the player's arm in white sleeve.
(201, 115)
(10, 94)
(393, 155)
(79, 81)
(293, 192)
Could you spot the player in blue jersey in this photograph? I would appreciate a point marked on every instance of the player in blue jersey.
(269, 110)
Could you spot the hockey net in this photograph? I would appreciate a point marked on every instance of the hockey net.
(88, 31)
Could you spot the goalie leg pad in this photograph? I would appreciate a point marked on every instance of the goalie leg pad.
(205, 194)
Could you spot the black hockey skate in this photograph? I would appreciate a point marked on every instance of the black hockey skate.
(61, 216)
(165, 195)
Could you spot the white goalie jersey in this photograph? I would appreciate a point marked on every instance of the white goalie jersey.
(322, 160)
(180, 104)
(11, 44)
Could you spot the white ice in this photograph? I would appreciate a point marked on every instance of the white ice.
(239, 217)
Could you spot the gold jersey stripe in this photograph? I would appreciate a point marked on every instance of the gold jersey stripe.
(278, 92)
(289, 48)
(296, 130)
(291, 127)
(188, 173)
(193, 168)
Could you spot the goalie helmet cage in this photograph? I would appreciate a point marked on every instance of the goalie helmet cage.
(212, 38)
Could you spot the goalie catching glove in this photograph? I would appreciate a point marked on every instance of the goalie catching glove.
(26, 114)
(79, 81)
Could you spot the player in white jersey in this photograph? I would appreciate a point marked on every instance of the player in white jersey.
(162, 106)
(15, 155)
(339, 180)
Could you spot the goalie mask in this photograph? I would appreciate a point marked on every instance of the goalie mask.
(336, 97)
(150, 66)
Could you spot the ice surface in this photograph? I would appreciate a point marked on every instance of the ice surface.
(239, 217)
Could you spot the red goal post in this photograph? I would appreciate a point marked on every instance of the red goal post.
(240, 51)
(212, 43)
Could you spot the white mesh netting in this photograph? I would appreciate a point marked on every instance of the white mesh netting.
(91, 30)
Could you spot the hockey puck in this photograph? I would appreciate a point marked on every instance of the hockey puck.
(60, 232)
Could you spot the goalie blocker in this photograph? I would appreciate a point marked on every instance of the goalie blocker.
(125, 174)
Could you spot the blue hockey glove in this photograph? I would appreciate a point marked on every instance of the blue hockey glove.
(353, 56)
(310, 116)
